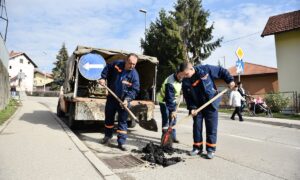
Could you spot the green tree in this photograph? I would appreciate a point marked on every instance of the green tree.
(180, 35)
(60, 67)
(195, 34)
(163, 43)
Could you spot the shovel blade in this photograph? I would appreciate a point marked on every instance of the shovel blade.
(167, 139)
(149, 125)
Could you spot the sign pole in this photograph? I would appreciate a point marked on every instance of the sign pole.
(239, 64)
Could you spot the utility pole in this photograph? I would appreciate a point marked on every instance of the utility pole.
(145, 12)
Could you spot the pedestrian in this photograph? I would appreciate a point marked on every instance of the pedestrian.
(241, 90)
(235, 100)
(198, 87)
(13, 91)
(123, 79)
(168, 98)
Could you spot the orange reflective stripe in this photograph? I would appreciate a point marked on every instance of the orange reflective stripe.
(118, 69)
(198, 143)
(127, 83)
(121, 132)
(196, 83)
(211, 145)
(108, 126)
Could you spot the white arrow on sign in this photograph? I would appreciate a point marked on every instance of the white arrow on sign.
(89, 66)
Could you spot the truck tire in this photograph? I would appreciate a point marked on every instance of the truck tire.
(131, 124)
(59, 112)
(71, 111)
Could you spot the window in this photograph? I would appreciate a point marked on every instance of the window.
(28, 62)
(10, 67)
(21, 61)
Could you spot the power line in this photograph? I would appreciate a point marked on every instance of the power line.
(242, 37)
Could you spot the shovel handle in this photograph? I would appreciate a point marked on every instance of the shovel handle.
(211, 100)
(118, 99)
(203, 106)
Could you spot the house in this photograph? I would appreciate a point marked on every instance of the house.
(21, 70)
(41, 80)
(4, 76)
(256, 79)
(286, 29)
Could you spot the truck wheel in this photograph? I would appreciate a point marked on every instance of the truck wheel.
(71, 111)
(59, 112)
(131, 124)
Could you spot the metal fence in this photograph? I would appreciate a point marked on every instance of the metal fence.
(292, 96)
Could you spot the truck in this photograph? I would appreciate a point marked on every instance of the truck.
(82, 99)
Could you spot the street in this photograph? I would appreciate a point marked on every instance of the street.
(245, 150)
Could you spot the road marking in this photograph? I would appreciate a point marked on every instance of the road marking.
(249, 138)
(242, 137)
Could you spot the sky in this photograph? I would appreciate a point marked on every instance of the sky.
(39, 28)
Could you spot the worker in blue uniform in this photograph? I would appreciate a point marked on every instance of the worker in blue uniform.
(198, 87)
(168, 95)
(123, 79)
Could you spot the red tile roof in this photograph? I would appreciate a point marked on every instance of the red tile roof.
(42, 73)
(281, 23)
(13, 54)
(253, 69)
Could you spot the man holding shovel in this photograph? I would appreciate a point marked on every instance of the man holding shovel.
(198, 88)
(123, 79)
(167, 97)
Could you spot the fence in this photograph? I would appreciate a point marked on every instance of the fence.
(293, 97)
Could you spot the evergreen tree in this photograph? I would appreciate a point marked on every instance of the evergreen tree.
(196, 35)
(162, 43)
(60, 67)
(181, 35)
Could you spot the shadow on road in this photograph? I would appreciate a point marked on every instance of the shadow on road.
(41, 117)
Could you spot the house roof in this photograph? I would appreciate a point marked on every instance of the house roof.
(253, 69)
(282, 23)
(40, 72)
(13, 54)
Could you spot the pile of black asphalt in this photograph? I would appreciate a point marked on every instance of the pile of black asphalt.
(157, 154)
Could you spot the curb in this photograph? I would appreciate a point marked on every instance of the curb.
(274, 123)
(289, 124)
(6, 123)
(103, 170)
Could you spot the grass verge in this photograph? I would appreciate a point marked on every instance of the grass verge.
(9, 110)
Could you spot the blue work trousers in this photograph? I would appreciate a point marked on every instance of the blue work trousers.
(112, 106)
(166, 120)
(210, 116)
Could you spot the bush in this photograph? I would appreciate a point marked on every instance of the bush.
(276, 102)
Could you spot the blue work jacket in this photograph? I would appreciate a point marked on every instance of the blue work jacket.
(125, 84)
(200, 88)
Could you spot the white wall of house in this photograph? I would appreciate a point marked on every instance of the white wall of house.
(288, 60)
(18, 64)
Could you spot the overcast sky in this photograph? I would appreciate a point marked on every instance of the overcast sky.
(39, 27)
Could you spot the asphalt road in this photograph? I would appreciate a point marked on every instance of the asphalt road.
(245, 150)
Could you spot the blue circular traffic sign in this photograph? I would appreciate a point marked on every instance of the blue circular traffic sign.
(91, 66)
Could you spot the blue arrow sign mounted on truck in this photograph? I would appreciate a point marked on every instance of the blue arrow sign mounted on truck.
(91, 66)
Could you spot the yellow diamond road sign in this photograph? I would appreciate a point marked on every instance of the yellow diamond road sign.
(239, 52)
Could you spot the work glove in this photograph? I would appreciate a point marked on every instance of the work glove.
(125, 103)
(101, 82)
(173, 115)
(193, 112)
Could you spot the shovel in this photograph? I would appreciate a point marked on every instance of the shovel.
(168, 141)
(150, 125)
